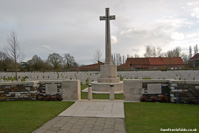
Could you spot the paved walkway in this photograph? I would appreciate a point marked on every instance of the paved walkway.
(96, 108)
(88, 117)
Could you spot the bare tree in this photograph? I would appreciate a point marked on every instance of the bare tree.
(55, 60)
(154, 52)
(185, 58)
(177, 51)
(70, 61)
(13, 50)
(159, 52)
(195, 49)
(174, 53)
(3, 56)
(5, 61)
(36, 63)
(117, 59)
(97, 55)
(151, 51)
(136, 55)
(190, 52)
(123, 59)
(113, 59)
(148, 51)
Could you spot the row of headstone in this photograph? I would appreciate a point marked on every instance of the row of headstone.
(32, 76)
(85, 77)
(177, 75)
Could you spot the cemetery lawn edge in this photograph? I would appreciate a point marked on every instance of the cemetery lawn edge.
(151, 117)
(27, 116)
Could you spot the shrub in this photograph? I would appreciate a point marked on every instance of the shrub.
(48, 98)
(163, 98)
(154, 98)
(143, 99)
(58, 97)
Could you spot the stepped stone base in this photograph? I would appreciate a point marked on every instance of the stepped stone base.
(108, 80)
(105, 87)
(108, 74)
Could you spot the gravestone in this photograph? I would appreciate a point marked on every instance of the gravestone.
(51, 89)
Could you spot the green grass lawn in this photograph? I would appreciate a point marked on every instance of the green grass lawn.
(84, 95)
(26, 116)
(150, 117)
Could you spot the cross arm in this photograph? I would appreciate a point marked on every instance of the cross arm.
(111, 17)
(102, 17)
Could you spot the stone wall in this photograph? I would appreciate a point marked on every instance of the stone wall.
(18, 91)
(49, 90)
(155, 90)
(184, 91)
(174, 91)
(46, 90)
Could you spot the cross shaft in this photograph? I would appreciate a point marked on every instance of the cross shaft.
(107, 18)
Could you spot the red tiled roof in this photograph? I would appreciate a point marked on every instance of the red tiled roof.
(156, 61)
(138, 61)
(173, 60)
(195, 57)
(92, 65)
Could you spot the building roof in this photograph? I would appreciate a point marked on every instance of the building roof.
(156, 61)
(138, 61)
(92, 65)
(195, 57)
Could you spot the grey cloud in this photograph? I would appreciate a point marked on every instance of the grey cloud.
(73, 26)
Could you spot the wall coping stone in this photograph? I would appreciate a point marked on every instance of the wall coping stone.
(17, 83)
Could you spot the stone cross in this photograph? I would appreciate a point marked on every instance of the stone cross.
(108, 59)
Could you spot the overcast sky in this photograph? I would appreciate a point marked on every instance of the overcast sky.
(73, 26)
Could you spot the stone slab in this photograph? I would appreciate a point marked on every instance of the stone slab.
(101, 92)
(62, 124)
(154, 88)
(105, 87)
(96, 108)
(132, 90)
(71, 90)
(51, 88)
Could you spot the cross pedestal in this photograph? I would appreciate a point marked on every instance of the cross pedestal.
(108, 74)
